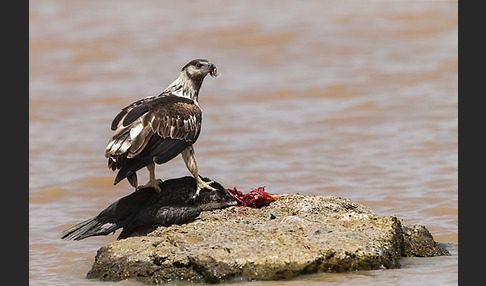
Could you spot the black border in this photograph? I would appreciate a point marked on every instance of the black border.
(15, 140)
(471, 134)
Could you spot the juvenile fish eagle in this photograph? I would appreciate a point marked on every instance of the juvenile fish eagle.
(155, 129)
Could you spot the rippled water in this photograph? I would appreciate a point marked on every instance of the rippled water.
(344, 98)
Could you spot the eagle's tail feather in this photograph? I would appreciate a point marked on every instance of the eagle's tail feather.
(131, 166)
(132, 179)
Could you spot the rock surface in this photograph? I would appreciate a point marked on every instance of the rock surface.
(294, 235)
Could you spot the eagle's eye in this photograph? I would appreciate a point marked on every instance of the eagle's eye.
(199, 65)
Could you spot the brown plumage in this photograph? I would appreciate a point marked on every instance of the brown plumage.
(156, 129)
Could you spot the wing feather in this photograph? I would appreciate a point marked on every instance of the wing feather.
(176, 118)
(135, 113)
(122, 115)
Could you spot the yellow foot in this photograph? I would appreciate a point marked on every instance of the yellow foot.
(203, 185)
(151, 184)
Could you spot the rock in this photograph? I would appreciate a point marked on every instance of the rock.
(294, 235)
(419, 242)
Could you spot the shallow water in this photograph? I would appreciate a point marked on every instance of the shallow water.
(339, 98)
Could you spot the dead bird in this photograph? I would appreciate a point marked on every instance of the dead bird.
(148, 208)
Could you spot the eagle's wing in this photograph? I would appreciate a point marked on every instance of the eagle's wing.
(115, 124)
(152, 130)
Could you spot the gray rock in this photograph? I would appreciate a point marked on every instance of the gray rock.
(294, 235)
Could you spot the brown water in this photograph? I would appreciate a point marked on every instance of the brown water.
(344, 98)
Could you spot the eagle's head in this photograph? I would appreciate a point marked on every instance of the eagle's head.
(199, 69)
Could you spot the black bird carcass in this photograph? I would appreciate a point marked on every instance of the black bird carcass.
(146, 209)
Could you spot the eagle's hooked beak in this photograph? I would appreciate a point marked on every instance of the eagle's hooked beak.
(213, 71)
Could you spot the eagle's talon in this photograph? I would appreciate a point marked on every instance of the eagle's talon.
(203, 185)
(152, 184)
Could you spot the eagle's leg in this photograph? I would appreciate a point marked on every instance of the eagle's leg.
(190, 160)
(153, 182)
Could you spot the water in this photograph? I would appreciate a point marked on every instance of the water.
(345, 98)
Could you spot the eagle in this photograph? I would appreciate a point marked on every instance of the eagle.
(155, 129)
